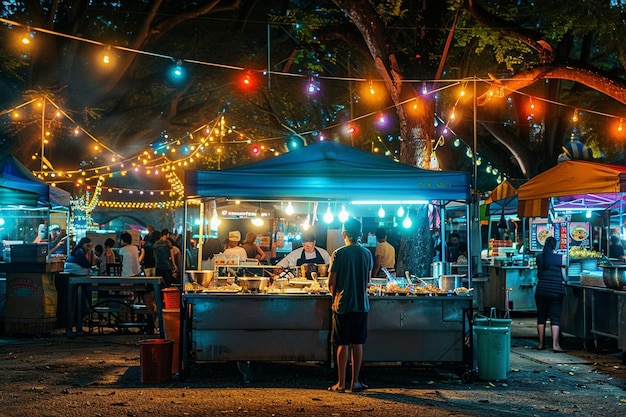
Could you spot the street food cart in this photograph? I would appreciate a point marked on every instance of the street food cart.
(28, 207)
(596, 193)
(295, 325)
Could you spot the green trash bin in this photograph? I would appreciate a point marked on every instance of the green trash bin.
(493, 345)
(493, 321)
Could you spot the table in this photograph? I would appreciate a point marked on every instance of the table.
(74, 297)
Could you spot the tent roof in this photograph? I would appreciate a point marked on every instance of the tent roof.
(503, 198)
(573, 185)
(18, 186)
(329, 170)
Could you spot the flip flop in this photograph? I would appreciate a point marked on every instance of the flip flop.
(540, 348)
(336, 389)
(360, 387)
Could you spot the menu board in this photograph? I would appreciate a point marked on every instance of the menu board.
(579, 234)
(561, 235)
(540, 229)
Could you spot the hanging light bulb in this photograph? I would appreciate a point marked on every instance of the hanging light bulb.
(289, 210)
(258, 220)
(328, 216)
(381, 212)
(401, 211)
(307, 223)
(407, 222)
(215, 221)
(343, 214)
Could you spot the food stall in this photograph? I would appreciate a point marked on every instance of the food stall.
(512, 278)
(587, 197)
(295, 325)
(28, 208)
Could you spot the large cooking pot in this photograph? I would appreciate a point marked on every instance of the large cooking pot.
(614, 276)
(203, 278)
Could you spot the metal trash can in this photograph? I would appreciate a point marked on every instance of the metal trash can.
(494, 348)
(156, 360)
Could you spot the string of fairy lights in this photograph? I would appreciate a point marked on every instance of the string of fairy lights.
(168, 159)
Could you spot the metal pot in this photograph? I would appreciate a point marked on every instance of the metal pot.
(203, 278)
(614, 276)
(253, 284)
(450, 282)
(440, 268)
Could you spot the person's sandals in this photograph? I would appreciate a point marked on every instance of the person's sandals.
(358, 387)
(540, 348)
(335, 388)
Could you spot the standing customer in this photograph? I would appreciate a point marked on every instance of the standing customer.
(252, 249)
(149, 263)
(164, 258)
(350, 272)
(549, 293)
(385, 255)
(129, 254)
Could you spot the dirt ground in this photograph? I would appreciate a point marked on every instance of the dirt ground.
(100, 375)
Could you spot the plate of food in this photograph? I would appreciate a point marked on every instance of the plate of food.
(543, 234)
(578, 233)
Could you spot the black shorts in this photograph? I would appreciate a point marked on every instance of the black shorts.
(349, 329)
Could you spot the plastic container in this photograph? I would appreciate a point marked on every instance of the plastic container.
(171, 297)
(494, 349)
(493, 321)
(156, 360)
(171, 322)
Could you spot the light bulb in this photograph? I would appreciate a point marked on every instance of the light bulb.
(406, 223)
(328, 216)
(289, 209)
(307, 223)
(343, 214)
(381, 212)
(215, 221)
(401, 212)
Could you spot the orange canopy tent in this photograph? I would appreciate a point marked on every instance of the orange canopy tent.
(573, 185)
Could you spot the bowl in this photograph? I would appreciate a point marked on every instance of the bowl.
(203, 278)
(253, 284)
(614, 276)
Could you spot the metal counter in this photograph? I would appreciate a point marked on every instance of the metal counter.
(269, 327)
(511, 288)
(593, 313)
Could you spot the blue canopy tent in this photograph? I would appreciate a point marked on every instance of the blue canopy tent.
(329, 171)
(19, 187)
(332, 172)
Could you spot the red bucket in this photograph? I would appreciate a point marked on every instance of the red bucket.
(171, 297)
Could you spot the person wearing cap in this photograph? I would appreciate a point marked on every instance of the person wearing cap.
(42, 234)
(307, 254)
(233, 247)
(58, 241)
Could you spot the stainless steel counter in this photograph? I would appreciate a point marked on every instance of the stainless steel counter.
(594, 313)
(511, 288)
(269, 327)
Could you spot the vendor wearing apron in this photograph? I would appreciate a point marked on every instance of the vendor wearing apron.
(307, 254)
